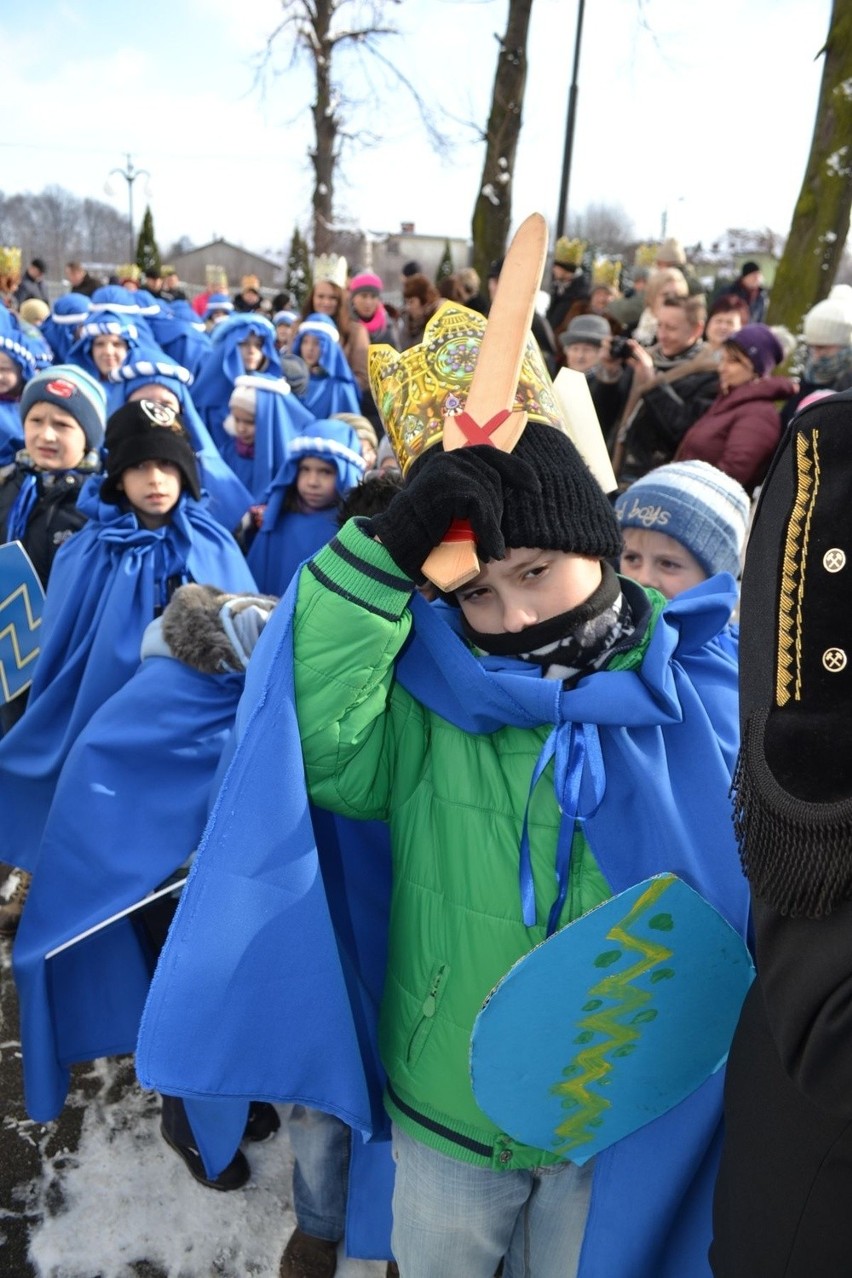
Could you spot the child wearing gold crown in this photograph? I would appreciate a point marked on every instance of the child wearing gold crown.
(554, 736)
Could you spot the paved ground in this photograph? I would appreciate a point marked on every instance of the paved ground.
(97, 1194)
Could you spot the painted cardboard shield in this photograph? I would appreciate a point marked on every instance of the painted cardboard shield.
(21, 603)
(612, 1021)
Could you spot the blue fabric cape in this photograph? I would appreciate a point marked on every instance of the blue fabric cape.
(140, 345)
(178, 333)
(60, 328)
(279, 418)
(226, 496)
(336, 391)
(650, 1210)
(287, 538)
(106, 584)
(129, 808)
(223, 365)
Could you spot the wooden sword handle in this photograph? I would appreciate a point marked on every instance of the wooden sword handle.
(489, 416)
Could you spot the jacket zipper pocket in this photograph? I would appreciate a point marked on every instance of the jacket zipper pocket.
(428, 1008)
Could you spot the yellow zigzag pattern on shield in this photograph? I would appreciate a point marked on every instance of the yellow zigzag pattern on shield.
(625, 998)
(21, 659)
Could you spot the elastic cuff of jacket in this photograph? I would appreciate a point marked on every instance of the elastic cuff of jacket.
(355, 565)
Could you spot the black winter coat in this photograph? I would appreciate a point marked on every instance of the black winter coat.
(54, 517)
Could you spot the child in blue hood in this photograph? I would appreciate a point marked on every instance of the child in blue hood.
(303, 501)
(147, 534)
(333, 388)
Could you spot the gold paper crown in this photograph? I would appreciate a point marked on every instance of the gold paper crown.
(606, 271)
(128, 271)
(330, 267)
(645, 255)
(568, 252)
(10, 269)
(416, 389)
(216, 278)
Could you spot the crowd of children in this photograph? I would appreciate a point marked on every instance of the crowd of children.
(408, 788)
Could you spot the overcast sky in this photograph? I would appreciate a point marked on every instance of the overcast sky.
(702, 112)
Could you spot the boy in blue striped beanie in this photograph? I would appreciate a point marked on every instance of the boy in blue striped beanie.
(63, 411)
(681, 524)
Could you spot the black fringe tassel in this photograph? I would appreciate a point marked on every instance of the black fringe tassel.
(797, 856)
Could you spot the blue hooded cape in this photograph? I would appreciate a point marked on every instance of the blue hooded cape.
(287, 538)
(335, 390)
(130, 804)
(224, 364)
(119, 325)
(60, 328)
(227, 497)
(666, 732)
(279, 418)
(107, 583)
(176, 330)
(22, 350)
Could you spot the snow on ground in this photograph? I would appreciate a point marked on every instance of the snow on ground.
(122, 1197)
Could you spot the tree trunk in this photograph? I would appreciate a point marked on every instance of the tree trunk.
(492, 212)
(821, 218)
(323, 156)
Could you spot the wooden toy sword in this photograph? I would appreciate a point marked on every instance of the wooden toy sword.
(489, 416)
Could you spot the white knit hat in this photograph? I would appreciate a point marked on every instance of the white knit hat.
(829, 323)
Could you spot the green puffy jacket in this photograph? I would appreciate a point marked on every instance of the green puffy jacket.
(455, 803)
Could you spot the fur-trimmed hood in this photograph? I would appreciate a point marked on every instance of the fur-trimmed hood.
(208, 629)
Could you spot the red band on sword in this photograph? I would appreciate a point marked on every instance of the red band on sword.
(476, 434)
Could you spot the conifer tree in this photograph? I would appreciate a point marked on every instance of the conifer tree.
(298, 281)
(445, 266)
(147, 249)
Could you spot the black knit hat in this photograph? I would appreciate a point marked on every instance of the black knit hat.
(572, 513)
(143, 430)
(793, 786)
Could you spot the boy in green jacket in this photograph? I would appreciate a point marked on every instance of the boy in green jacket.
(380, 743)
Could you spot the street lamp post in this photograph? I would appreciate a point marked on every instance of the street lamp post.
(569, 127)
(130, 173)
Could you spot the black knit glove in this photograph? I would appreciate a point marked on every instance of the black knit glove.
(466, 483)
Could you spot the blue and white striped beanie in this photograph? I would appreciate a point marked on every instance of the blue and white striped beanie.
(697, 505)
(74, 391)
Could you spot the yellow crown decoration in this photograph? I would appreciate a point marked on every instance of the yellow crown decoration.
(10, 269)
(216, 279)
(331, 268)
(569, 252)
(415, 390)
(645, 255)
(128, 271)
(607, 270)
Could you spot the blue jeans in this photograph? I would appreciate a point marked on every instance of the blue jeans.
(452, 1218)
(320, 1144)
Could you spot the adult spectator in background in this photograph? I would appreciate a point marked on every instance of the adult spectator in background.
(827, 330)
(32, 282)
(668, 281)
(568, 283)
(470, 290)
(171, 290)
(365, 295)
(154, 281)
(627, 309)
(582, 340)
(740, 430)
(420, 300)
(726, 316)
(665, 394)
(448, 287)
(249, 297)
(671, 253)
(80, 280)
(749, 286)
